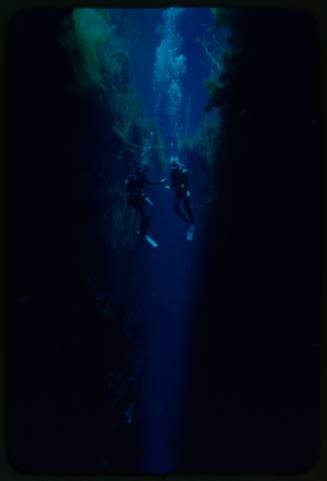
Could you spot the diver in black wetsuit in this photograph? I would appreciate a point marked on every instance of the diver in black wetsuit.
(179, 181)
(136, 198)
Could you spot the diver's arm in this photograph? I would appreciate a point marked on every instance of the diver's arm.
(169, 186)
(172, 183)
(159, 182)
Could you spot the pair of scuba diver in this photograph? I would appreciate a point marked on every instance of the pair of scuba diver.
(179, 182)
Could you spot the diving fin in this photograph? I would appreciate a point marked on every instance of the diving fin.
(149, 201)
(190, 233)
(151, 241)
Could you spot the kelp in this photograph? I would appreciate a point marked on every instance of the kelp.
(224, 17)
(205, 141)
(102, 64)
(102, 67)
(223, 54)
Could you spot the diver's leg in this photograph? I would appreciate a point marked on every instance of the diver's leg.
(138, 207)
(145, 219)
(177, 208)
(188, 208)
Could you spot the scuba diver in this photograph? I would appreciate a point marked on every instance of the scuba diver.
(179, 181)
(136, 198)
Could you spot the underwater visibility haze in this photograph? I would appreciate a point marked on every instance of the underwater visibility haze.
(163, 216)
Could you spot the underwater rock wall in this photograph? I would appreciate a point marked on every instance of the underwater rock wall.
(262, 266)
(60, 137)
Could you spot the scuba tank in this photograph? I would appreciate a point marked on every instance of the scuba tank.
(133, 190)
(130, 183)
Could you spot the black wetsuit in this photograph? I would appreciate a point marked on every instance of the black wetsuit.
(134, 185)
(179, 180)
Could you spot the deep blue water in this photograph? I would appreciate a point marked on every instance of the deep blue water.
(169, 273)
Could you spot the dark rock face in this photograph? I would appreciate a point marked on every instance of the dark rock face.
(65, 340)
(260, 306)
